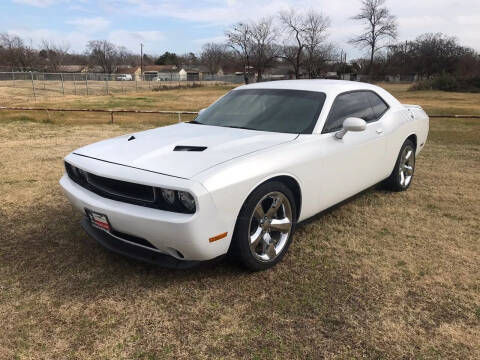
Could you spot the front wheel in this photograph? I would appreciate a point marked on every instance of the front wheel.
(402, 174)
(265, 226)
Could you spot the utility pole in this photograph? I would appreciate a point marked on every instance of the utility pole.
(105, 53)
(141, 59)
(341, 64)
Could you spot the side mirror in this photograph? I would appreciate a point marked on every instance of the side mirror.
(351, 124)
(201, 111)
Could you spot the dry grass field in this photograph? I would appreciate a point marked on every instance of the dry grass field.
(20, 90)
(384, 276)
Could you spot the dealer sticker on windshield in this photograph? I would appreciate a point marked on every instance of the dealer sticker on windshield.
(98, 220)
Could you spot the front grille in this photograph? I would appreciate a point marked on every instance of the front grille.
(113, 189)
(122, 188)
(124, 191)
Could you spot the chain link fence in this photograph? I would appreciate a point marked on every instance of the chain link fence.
(37, 85)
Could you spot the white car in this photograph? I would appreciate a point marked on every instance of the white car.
(125, 77)
(240, 176)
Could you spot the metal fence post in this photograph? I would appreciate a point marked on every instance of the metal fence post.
(63, 87)
(106, 82)
(86, 82)
(111, 117)
(74, 84)
(33, 87)
(179, 117)
(13, 78)
(48, 115)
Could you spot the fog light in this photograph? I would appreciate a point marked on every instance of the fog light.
(187, 200)
(168, 195)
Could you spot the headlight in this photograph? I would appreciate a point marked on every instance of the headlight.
(177, 201)
(168, 196)
(187, 200)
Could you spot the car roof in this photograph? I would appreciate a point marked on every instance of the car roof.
(310, 85)
(329, 87)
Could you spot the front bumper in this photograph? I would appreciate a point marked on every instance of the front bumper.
(181, 236)
(125, 248)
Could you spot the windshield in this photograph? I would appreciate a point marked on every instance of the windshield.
(274, 110)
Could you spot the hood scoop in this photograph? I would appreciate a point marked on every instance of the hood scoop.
(189, 148)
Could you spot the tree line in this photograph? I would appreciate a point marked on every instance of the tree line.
(294, 39)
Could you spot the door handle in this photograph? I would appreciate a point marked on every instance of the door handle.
(379, 131)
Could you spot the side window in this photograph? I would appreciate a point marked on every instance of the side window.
(378, 105)
(354, 104)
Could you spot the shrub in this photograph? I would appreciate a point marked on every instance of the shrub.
(445, 82)
(177, 86)
(448, 82)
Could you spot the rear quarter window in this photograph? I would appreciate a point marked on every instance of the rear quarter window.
(379, 107)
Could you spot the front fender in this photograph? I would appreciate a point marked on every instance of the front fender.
(231, 184)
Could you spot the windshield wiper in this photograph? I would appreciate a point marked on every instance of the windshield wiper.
(195, 122)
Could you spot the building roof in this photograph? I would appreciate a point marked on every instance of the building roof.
(93, 68)
(194, 70)
(71, 68)
(127, 69)
(162, 68)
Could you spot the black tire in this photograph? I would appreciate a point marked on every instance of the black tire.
(395, 181)
(240, 246)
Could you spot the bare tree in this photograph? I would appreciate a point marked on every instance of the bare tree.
(124, 56)
(316, 61)
(53, 54)
(314, 34)
(433, 54)
(294, 45)
(106, 55)
(240, 40)
(264, 49)
(189, 59)
(212, 57)
(307, 33)
(17, 53)
(380, 26)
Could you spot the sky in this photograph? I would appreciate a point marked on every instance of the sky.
(182, 26)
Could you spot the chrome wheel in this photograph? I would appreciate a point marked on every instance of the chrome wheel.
(406, 166)
(270, 226)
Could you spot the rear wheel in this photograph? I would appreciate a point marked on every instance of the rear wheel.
(265, 226)
(402, 174)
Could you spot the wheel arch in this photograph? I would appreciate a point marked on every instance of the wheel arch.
(413, 138)
(289, 181)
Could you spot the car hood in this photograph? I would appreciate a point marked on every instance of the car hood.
(158, 149)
